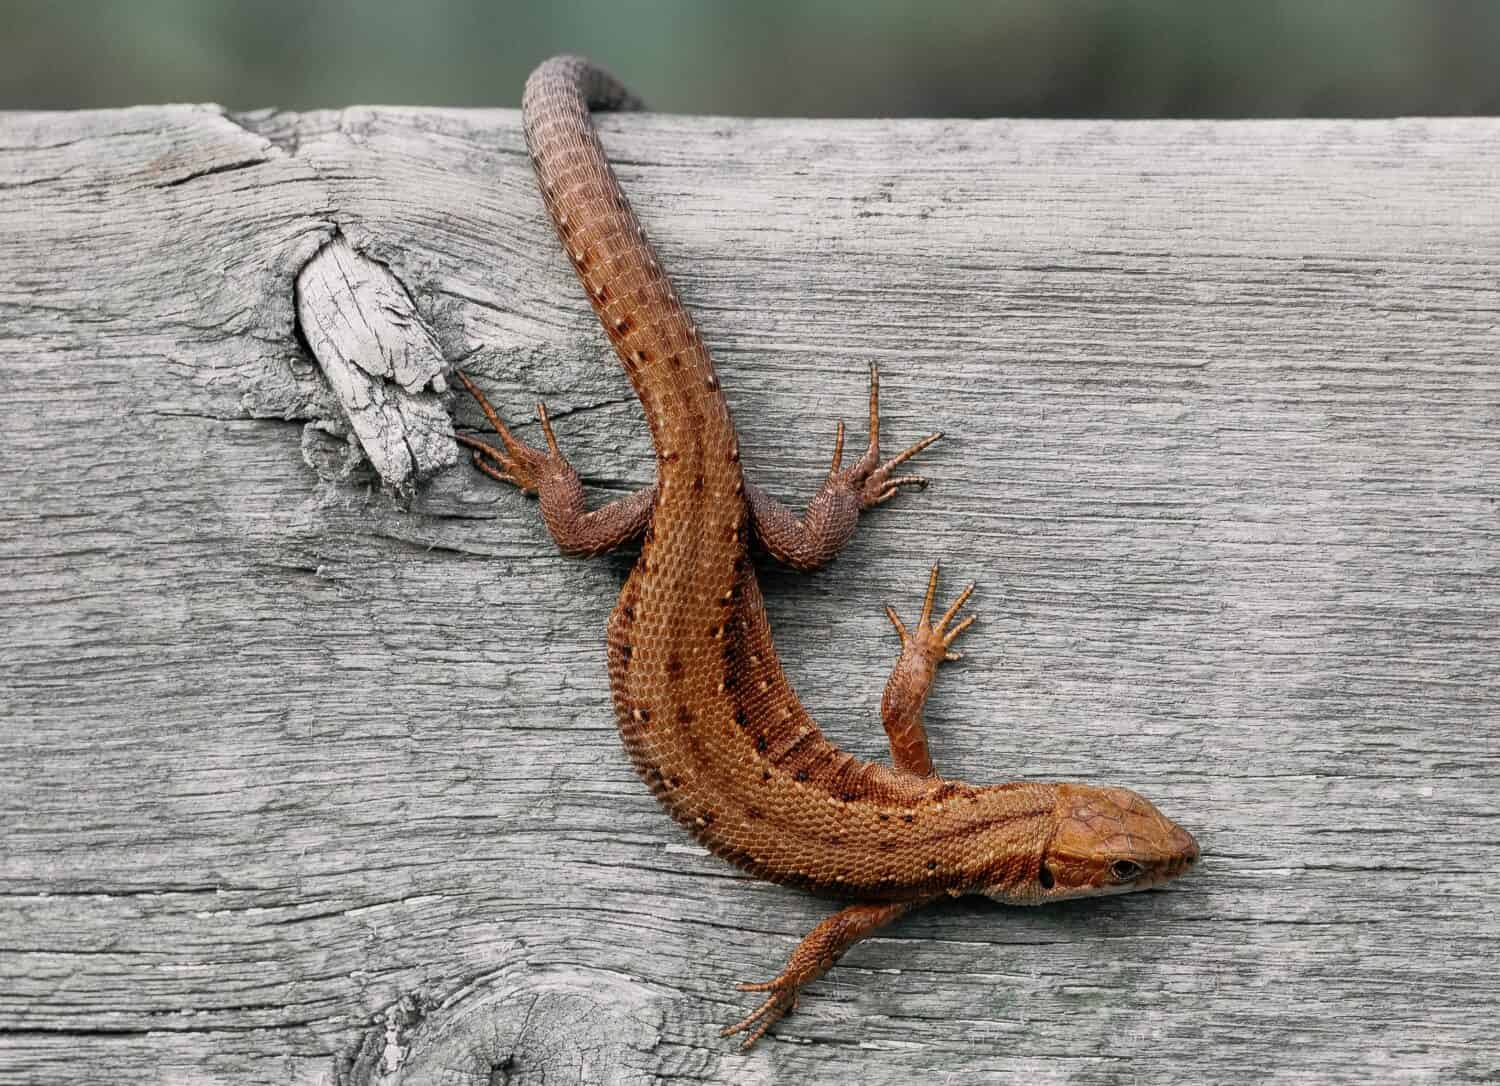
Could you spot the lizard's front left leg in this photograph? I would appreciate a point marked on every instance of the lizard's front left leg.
(818, 952)
(549, 475)
(923, 648)
(834, 512)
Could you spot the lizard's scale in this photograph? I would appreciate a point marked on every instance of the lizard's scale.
(705, 710)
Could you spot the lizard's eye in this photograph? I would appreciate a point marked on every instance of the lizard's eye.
(1124, 870)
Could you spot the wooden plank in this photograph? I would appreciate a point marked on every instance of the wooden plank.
(299, 775)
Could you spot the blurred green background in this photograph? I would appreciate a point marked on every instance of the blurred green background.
(1122, 58)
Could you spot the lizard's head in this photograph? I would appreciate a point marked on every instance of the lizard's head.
(1107, 841)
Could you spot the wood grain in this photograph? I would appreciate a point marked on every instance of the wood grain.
(300, 776)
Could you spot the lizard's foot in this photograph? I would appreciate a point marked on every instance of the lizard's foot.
(549, 476)
(834, 511)
(874, 482)
(517, 463)
(930, 640)
(776, 1006)
(924, 647)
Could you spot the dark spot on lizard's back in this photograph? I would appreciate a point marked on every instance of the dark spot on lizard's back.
(628, 599)
(797, 744)
(684, 715)
(674, 664)
(698, 481)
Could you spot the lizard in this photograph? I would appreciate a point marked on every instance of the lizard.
(705, 710)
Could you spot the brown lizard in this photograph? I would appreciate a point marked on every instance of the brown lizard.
(706, 713)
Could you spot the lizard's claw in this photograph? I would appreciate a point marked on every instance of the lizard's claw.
(781, 1002)
(874, 482)
(517, 463)
(933, 639)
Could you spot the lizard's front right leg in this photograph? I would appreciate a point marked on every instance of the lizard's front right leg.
(815, 955)
(549, 476)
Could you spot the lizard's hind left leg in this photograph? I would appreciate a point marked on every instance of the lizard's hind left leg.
(575, 529)
(834, 512)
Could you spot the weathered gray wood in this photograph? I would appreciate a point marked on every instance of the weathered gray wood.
(298, 776)
(381, 362)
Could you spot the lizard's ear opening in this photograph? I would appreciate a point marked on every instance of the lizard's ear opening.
(1044, 876)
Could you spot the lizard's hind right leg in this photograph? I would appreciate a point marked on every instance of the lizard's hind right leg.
(574, 528)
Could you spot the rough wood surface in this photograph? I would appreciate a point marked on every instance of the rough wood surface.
(306, 780)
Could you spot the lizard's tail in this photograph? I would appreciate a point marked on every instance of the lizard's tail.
(653, 334)
(678, 614)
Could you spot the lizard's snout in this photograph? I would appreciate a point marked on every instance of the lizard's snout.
(1185, 852)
